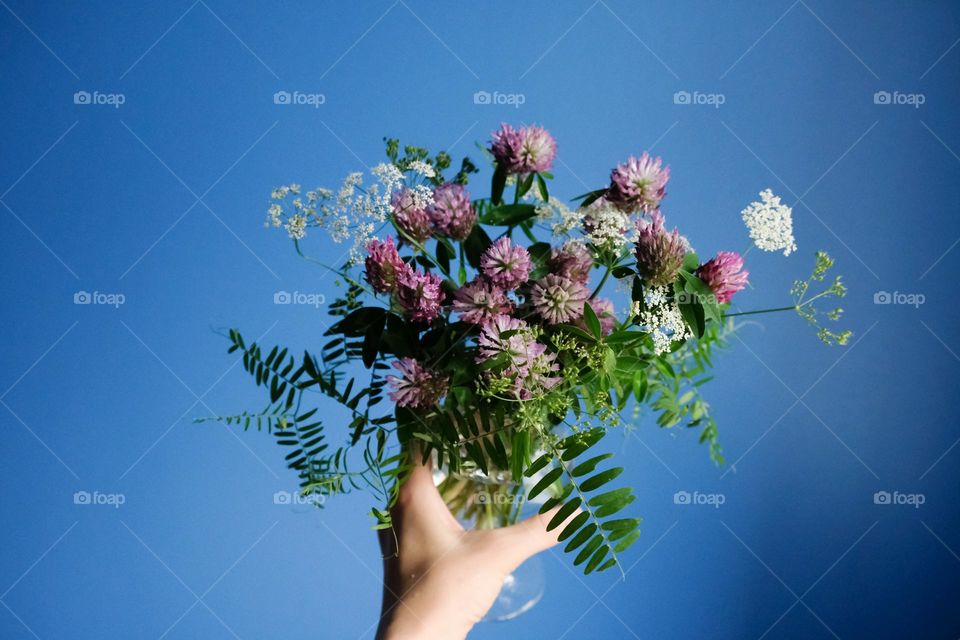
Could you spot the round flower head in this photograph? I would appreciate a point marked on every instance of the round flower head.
(557, 299)
(419, 295)
(526, 150)
(480, 300)
(411, 218)
(607, 227)
(531, 366)
(724, 275)
(604, 310)
(659, 254)
(770, 223)
(452, 212)
(638, 184)
(505, 264)
(416, 387)
(571, 260)
(383, 265)
(493, 342)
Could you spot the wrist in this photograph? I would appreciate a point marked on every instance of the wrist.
(406, 625)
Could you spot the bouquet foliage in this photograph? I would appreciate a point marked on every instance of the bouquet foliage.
(505, 336)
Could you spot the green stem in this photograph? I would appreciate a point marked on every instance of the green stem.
(750, 313)
(339, 272)
(603, 281)
(419, 247)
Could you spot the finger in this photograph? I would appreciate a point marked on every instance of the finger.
(527, 538)
(420, 476)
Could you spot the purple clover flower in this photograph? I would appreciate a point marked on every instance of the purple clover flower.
(505, 264)
(638, 184)
(724, 275)
(525, 150)
(416, 387)
(659, 254)
(452, 212)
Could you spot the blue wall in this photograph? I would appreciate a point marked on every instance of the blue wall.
(162, 199)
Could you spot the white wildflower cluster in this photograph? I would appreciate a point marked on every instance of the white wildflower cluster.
(607, 227)
(565, 221)
(422, 196)
(352, 213)
(423, 168)
(661, 318)
(770, 223)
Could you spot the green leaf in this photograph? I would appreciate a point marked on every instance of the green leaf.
(602, 478)
(497, 185)
(476, 243)
(589, 465)
(596, 559)
(590, 197)
(704, 295)
(542, 186)
(606, 565)
(581, 537)
(525, 185)
(564, 513)
(617, 496)
(508, 215)
(538, 464)
(572, 526)
(626, 542)
(540, 252)
(591, 320)
(371, 344)
(588, 550)
(356, 323)
(444, 253)
(621, 524)
(577, 331)
(551, 476)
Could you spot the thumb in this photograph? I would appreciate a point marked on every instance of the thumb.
(529, 537)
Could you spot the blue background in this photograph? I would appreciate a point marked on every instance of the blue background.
(163, 200)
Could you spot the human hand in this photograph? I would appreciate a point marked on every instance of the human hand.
(439, 579)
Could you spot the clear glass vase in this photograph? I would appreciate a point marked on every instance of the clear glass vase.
(480, 501)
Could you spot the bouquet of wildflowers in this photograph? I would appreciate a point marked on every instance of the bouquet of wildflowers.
(505, 336)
